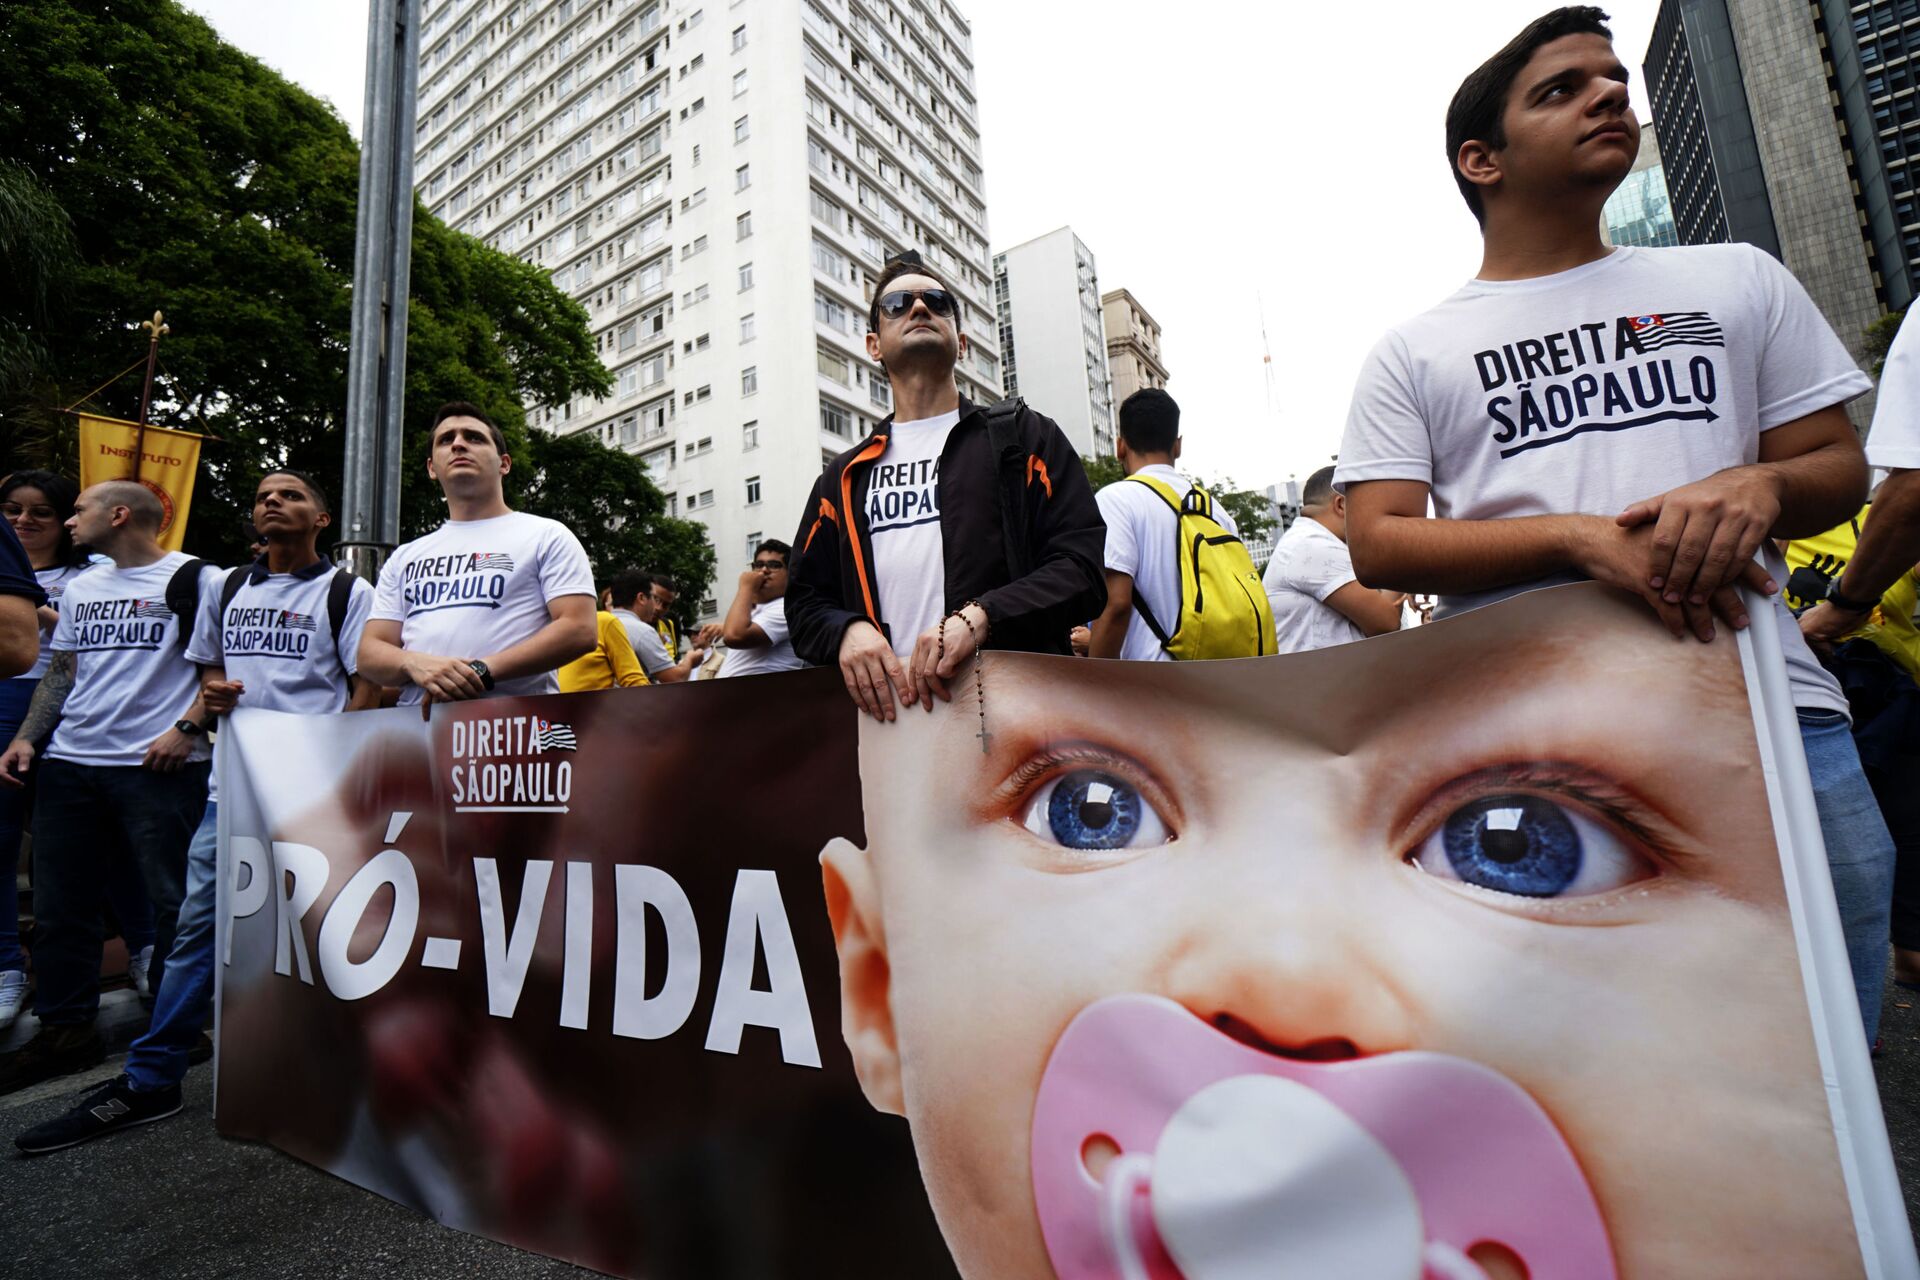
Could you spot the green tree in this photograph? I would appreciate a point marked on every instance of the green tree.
(36, 257)
(603, 494)
(200, 182)
(1879, 338)
(1252, 513)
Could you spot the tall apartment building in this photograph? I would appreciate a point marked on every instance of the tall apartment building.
(718, 182)
(1640, 212)
(1047, 299)
(1133, 346)
(1783, 124)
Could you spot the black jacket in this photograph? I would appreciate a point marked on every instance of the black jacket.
(832, 583)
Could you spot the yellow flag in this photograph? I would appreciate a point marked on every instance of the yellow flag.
(168, 463)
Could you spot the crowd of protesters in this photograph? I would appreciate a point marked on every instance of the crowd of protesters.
(956, 527)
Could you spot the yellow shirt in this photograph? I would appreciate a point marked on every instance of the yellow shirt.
(1814, 562)
(611, 663)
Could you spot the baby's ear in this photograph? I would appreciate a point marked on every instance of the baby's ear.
(866, 1009)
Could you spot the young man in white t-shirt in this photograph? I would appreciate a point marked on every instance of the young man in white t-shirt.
(1143, 533)
(127, 762)
(1645, 417)
(1317, 601)
(491, 603)
(755, 627)
(266, 637)
(951, 527)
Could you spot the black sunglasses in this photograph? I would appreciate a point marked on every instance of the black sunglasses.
(898, 302)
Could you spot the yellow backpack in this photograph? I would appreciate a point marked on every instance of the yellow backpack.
(1223, 606)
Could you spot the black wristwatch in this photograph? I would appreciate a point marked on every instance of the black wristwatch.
(1842, 603)
(484, 672)
(191, 728)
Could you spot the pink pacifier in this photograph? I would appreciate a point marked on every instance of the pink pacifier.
(1228, 1163)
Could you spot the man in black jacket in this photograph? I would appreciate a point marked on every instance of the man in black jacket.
(953, 526)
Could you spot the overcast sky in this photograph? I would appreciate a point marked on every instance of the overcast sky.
(1281, 156)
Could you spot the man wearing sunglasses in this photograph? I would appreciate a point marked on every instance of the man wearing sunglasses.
(755, 627)
(953, 525)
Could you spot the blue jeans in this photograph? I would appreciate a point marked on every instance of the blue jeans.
(159, 1058)
(1859, 853)
(14, 696)
(83, 816)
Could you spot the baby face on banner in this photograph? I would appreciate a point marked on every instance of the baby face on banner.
(1489, 914)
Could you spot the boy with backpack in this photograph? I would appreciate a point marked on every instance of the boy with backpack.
(1180, 583)
(127, 763)
(280, 633)
(953, 527)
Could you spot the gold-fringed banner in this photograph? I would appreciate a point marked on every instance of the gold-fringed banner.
(168, 462)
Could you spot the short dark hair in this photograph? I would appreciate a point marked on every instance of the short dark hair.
(313, 486)
(629, 585)
(59, 493)
(1477, 112)
(659, 579)
(1149, 421)
(468, 409)
(774, 544)
(906, 264)
(1318, 490)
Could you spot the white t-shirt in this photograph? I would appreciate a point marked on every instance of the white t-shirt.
(54, 582)
(1586, 391)
(474, 587)
(1143, 542)
(771, 618)
(132, 679)
(277, 640)
(903, 518)
(1309, 563)
(1894, 442)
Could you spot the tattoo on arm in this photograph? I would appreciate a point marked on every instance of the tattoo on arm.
(48, 699)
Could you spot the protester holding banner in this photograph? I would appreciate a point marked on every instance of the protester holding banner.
(127, 764)
(1317, 601)
(1151, 583)
(755, 628)
(494, 601)
(1645, 417)
(952, 528)
(281, 634)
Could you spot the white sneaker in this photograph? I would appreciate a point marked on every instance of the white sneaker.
(13, 994)
(137, 967)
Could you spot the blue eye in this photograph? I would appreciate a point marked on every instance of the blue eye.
(1093, 809)
(1531, 847)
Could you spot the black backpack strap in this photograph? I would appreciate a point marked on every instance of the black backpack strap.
(1010, 459)
(339, 595)
(236, 578)
(183, 596)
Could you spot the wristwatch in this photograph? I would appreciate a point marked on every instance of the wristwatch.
(486, 675)
(191, 728)
(1844, 604)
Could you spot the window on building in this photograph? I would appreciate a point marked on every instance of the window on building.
(749, 380)
(831, 312)
(743, 226)
(703, 499)
(746, 276)
(740, 130)
(739, 38)
(750, 436)
(753, 490)
(834, 365)
(835, 421)
(739, 83)
(742, 178)
(746, 327)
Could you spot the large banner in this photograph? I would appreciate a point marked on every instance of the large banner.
(1499, 948)
(169, 461)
